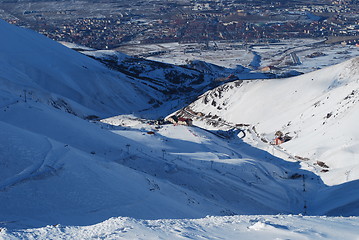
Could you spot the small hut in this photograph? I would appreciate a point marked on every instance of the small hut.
(173, 119)
(278, 141)
(185, 121)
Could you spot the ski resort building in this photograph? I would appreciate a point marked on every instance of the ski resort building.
(185, 121)
(278, 141)
(180, 120)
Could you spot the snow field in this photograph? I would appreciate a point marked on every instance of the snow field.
(210, 227)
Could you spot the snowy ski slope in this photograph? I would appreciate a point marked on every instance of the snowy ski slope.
(63, 176)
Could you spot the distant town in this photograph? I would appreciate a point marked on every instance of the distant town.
(111, 24)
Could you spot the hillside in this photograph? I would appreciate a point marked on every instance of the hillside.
(317, 110)
(173, 86)
(59, 168)
(52, 73)
(107, 85)
(62, 171)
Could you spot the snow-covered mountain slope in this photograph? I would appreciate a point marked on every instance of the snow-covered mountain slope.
(176, 86)
(59, 168)
(172, 87)
(319, 110)
(223, 74)
(50, 72)
(166, 78)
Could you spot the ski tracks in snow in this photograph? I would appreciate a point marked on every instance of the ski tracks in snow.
(46, 166)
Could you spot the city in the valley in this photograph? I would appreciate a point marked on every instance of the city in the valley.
(107, 24)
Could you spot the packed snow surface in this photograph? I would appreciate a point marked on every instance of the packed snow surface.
(235, 227)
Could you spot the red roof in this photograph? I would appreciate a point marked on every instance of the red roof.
(182, 119)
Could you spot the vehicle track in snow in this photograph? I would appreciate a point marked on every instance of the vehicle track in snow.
(47, 164)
